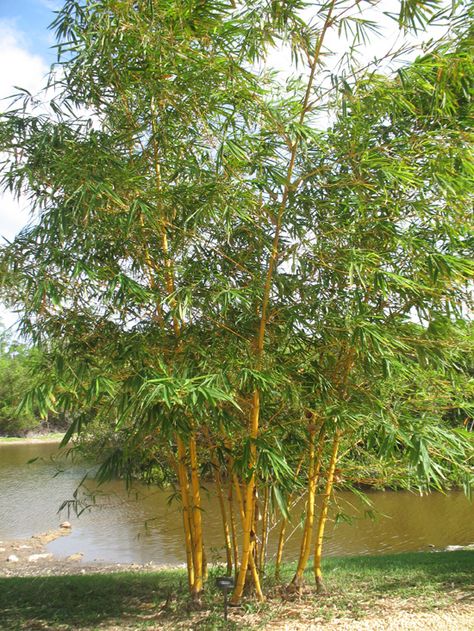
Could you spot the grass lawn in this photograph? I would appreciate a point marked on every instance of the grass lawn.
(354, 585)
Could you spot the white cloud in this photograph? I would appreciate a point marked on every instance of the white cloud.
(24, 69)
(387, 44)
(19, 66)
(13, 215)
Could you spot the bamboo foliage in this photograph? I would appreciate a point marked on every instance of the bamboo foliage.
(217, 252)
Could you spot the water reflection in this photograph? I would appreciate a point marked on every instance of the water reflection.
(143, 526)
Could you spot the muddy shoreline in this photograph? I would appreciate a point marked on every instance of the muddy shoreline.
(29, 557)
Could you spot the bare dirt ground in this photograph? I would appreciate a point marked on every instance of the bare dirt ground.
(390, 614)
(393, 614)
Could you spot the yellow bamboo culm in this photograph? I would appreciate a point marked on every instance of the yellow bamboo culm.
(318, 550)
(313, 477)
(281, 545)
(233, 527)
(225, 522)
(264, 533)
(196, 520)
(195, 557)
(256, 516)
(249, 508)
(253, 425)
(251, 561)
(308, 526)
(150, 269)
(184, 488)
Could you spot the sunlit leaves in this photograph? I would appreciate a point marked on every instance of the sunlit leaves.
(190, 394)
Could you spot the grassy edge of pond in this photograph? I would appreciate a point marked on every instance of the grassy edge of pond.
(356, 588)
(55, 437)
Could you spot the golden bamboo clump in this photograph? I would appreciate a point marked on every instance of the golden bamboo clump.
(238, 277)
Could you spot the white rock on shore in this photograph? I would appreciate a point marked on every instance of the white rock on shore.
(456, 548)
(36, 557)
(77, 556)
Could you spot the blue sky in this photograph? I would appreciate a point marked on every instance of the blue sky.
(32, 18)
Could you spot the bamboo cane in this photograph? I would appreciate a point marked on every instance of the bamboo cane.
(260, 338)
(225, 522)
(324, 512)
(195, 536)
(184, 488)
(249, 499)
(313, 477)
(196, 520)
(253, 568)
(264, 533)
(308, 527)
(235, 547)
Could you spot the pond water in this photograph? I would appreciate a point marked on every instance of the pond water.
(144, 526)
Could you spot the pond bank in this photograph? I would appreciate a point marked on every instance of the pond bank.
(433, 591)
(30, 557)
(34, 439)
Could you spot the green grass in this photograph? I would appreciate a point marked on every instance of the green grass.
(82, 601)
(159, 600)
(355, 584)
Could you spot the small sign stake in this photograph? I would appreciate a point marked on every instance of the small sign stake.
(225, 583)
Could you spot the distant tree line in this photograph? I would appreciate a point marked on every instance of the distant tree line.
(17, 377)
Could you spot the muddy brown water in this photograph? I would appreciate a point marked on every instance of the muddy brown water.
(144, 526)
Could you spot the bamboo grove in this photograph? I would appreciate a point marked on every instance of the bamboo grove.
(245, 276)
